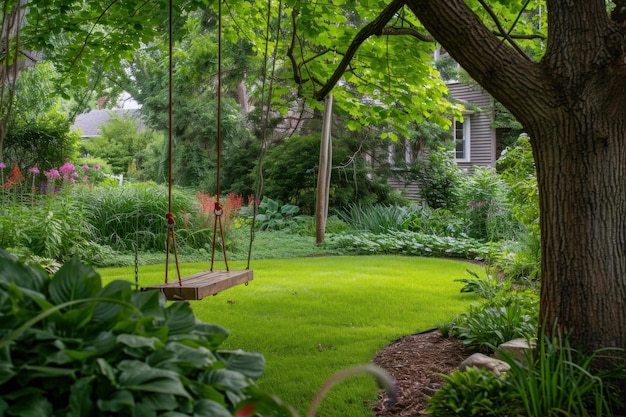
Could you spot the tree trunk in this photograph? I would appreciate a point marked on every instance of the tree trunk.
(582, 191)
(324, 172)
(573, 106)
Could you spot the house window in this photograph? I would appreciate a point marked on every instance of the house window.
(462, 140)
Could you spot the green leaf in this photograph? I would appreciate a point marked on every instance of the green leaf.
(208, 408)
(160, 401)
(119, 401)
(179, 318)
(137, 376)
(6, 372)
(31, 406)
(135, 341)
(80, 398)
(250, 364)
(74, 281)
(225, 378)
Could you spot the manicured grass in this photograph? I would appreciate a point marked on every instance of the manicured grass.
(312, 317)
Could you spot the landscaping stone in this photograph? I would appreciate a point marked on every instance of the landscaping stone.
(479, 360)
(516, 348)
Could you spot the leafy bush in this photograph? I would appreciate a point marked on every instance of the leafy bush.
(474, 392)
(505, 317)
(290, 171)
(410, 243)
(439, 179)
(484, 206)
(274, 215)
(72, 347)
(440, 222)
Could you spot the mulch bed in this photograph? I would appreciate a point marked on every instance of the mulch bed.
(414, 362)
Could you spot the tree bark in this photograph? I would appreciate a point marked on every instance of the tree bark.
(573, 106)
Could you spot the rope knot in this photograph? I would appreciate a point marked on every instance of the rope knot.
(170, 220)
(218, 210)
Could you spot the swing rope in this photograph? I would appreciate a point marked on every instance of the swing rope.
(266, 116)
(169, 217)
(218, 210)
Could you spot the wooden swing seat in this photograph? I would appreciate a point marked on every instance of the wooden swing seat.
(202, 284)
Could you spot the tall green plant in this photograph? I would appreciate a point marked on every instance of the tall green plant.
(377, 218)
(560, 381)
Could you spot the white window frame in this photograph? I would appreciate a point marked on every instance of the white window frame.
(467, 139)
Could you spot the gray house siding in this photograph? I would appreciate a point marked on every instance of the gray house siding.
(480, 111)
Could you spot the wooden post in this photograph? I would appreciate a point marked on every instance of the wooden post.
(323, 176)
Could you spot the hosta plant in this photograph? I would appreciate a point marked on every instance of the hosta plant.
(70, 347)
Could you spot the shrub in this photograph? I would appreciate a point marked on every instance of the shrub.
(439, 179)
(474, 392)
(72, 347)
(505, 317)
(274, 215)
(484, 207)
(440, 222)
(290, 172)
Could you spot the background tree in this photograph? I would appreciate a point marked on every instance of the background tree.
(120, 143)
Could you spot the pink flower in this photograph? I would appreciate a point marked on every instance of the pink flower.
(2, 166)
(34, 170)
(52, 174)
(74, 175)
(96, 166)
(66, 168)
(85, 167)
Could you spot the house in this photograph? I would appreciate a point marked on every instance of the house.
(90, 123)
(477, 141)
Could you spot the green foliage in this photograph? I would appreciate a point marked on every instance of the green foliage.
(73, 347)
(53, 228)
(123, 217)
(507, 316)
(474, 392)
(44, 141)
(487, 288)
(440, 222)
(439, 179)
(557, 380)
(517, 169)
(274, 215)
(290, 172)
(377, 218)
(410, 243)
(121, 144)
(485, 208)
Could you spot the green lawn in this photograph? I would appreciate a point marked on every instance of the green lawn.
(312, 317)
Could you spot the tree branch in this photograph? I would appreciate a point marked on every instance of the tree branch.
(501, 29)
(407, 31)
(375, 27)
